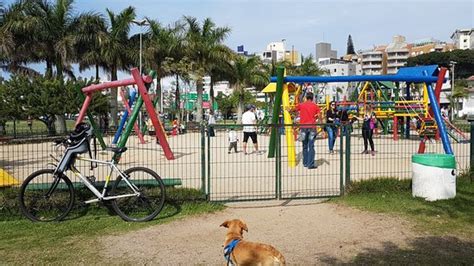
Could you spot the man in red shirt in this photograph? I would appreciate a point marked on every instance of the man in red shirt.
(309, 112)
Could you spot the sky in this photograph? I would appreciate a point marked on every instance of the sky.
(303, 23)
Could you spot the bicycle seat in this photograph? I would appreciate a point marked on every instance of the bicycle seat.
(117, 149)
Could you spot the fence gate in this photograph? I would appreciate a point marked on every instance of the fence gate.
(234, 176)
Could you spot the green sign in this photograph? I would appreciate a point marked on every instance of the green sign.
(192, 96)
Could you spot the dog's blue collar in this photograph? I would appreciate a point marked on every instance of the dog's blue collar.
(228, 250)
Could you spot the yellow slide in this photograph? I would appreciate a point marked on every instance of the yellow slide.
(6, 180)
(290, 140)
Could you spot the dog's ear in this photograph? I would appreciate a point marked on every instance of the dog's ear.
(225, 224)
(243, 226)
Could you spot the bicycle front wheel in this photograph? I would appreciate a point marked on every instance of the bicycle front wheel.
(148, 204)
(46, 197)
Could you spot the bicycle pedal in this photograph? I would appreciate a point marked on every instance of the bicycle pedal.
(91, 178)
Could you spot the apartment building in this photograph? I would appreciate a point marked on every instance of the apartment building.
(428, 45)
(274, 52)
(397, 54)
(463, 39)
(324, 51)
(293, 57)
(373, 61)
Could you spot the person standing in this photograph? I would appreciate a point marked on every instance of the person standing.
(249, 120)
(331, 130)
(368, 125)
(233, 139)
(211, 122)
(308, 113)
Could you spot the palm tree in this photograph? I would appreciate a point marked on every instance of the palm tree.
(163, 45)
(91, 35)
(15, 43)
(203, 47)
(115, 50)
(247, 72)
(309, 68)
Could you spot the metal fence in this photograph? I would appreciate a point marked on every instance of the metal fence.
(202, 162)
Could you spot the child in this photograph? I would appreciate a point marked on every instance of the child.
(233, 139)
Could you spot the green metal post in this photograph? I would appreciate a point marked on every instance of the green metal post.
(278, 165)
(203, 162)
(128, 129)
(348, 158)
(344, 128)
(276, 110)
(471, 170)
(208, 163)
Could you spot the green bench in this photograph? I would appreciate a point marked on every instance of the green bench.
(169, 182)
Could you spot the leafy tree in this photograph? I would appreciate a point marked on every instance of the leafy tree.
(44, 99)
(350, 46)
(203, 46)
(464, 61)
(308, 67)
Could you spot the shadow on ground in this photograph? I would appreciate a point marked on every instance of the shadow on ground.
(430, 250)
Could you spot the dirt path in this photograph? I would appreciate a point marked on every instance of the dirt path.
(306, 232)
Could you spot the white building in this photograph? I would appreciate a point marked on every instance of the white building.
(397, 54)
(220, 86)
(274, 52)
(463, 39)
(338, 67)
(371, 62)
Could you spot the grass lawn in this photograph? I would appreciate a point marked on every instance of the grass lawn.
(453, 217)
(76, 239)
(38, 127)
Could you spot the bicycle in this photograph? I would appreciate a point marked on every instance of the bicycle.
(138, 193)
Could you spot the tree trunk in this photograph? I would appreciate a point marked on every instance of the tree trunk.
(97, 72)
(199, 90)
(49, 70)
(177, 98)
(60, 124)
(158, 94)
(49, 122)
(113, 100)
(240, 106)
(59, 70)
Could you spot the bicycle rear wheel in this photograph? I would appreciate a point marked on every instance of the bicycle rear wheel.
(46, 197)
(148, 204)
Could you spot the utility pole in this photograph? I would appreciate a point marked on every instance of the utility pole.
(452, 64)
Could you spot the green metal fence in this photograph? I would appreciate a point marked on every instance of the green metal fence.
(202, 162)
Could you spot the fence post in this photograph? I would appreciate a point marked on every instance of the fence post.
(278, 161)
(471, 165)
(208, 163)
(344, 130)
(348, 156)
(203, 162)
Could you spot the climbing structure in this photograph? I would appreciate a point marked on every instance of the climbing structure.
(143, 98)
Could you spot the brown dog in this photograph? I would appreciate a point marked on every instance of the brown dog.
(249, 253)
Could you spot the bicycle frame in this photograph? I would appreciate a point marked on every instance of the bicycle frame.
(101, 195)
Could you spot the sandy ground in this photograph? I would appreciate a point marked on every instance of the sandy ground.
(306, 232)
